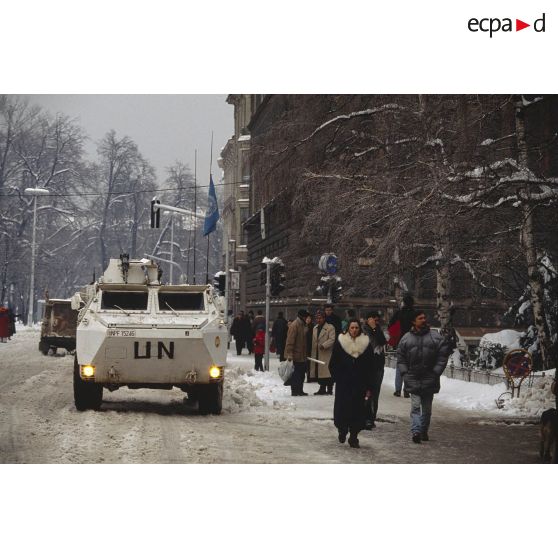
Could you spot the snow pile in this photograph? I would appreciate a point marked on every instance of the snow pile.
(239, 394)
(455, 358)
(506, 338)
(469, 396)
(481, 398)
(532, 401)
(494, 346)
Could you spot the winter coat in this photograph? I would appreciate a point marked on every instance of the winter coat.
(335, 321)
(378, 342)
(279, 333)
(322, 347)
(295, 348)
(257, 324)
(405, 317)
(259, 342)
(421, 358)
(241, 330)
(350, 366)
(236, 328)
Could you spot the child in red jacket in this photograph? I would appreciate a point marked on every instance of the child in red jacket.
(259, 349)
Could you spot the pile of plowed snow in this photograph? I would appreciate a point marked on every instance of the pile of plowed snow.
(239, 394)
(532, 401)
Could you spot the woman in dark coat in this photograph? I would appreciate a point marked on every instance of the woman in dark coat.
(351, 367)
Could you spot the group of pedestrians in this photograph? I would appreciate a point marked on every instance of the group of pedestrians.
(244, 328)
(351, 356)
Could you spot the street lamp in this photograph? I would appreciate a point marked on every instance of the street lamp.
(33, 192)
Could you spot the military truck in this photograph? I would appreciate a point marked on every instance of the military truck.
(58, 328)
(134, 331)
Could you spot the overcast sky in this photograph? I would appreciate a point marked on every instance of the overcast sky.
(166, 128)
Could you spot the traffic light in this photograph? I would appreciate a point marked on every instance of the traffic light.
(155, 214)
(277, 279)
(220, 281)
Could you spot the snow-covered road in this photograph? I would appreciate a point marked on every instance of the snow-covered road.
(260, 423)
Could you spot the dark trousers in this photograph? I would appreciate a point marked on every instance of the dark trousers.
(326, 383)
(239, 345)
(258, 359)
(281, 352)
(297, 379)
(376, 394)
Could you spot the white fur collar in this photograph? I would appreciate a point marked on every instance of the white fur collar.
(354, 347)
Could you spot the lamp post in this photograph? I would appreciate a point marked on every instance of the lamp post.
(33, 192)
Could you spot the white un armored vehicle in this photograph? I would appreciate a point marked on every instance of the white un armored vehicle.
(133, 331)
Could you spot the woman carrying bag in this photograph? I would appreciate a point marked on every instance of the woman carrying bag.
(351, 367)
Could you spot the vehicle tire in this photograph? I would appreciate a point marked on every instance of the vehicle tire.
(44, 347)
(87, 395)
(210, 399)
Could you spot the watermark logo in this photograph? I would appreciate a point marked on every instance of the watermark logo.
(494, 25)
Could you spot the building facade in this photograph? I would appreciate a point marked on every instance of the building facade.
(235, 163)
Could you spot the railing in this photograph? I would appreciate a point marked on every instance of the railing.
(471, 374)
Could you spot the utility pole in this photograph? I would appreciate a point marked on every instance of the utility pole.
(33, 192)
(267, 300)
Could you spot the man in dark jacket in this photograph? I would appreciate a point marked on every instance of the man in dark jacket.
(279, 334)
(422, 356)
(247, 329)
(404, 316)
(378, 342)
(238, 332)
(333, 319)
(258, 323)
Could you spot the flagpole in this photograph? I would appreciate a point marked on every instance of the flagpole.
(195, 209)
(207, 254)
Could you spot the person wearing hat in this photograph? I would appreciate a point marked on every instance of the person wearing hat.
(378, 341)
(296, 351)
(323, 338)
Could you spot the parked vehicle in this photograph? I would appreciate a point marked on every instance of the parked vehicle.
(58, 328)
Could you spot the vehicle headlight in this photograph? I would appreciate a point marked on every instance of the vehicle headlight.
(214, 372)
(87, 370)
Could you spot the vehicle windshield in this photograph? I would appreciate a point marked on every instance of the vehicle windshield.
(124, 300)
(180, 302)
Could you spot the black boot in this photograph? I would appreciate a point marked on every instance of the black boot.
(353, 441)
(321, 391)
(342, 436)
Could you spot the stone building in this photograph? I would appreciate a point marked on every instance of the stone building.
(265, 165)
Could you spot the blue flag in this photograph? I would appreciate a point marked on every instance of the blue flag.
(212, 213)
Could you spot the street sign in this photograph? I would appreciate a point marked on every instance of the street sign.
(235, 280)
(328, 263)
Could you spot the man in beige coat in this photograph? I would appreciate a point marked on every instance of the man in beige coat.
(323, 338)
(295, 350)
